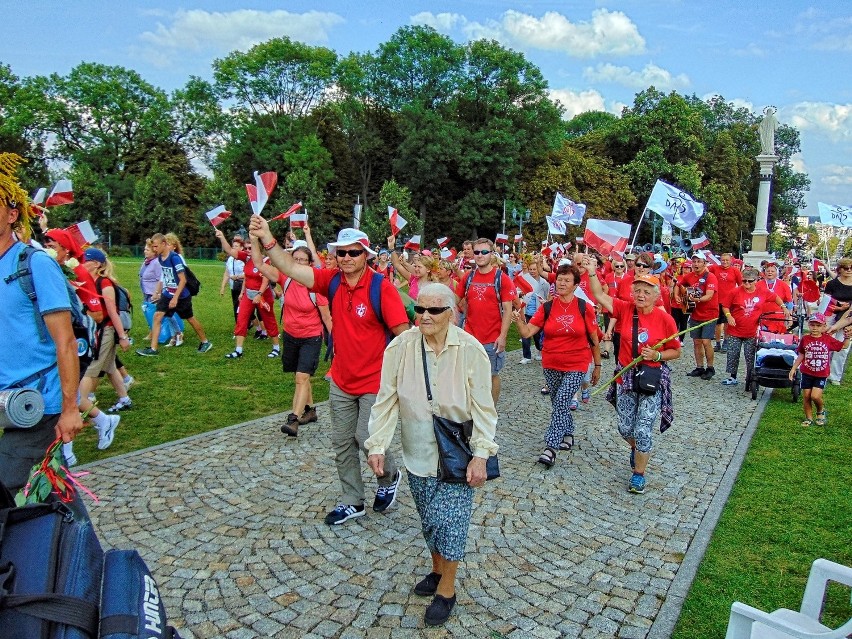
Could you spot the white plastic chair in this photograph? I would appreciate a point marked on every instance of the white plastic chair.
(750, 623)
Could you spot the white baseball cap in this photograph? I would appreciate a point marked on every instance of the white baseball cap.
(298, 244)
(353, 236)
(564, 262)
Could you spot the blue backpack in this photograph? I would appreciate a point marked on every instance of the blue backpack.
(375, 303)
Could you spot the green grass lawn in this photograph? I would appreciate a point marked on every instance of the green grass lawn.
(789, 506)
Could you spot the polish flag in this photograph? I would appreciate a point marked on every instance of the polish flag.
(413, 243)
(83, 233)
(555, 249)
(288, 212)
(700, 242)
(298, 220)
(522, 285)
(502, 238)
(397, 222)
(712, 258)
(606, 236)
(218, 215)
(443, 241)
(448, 254)
(518, 238)
(61, 194)
(258, 193)
(791, 255)
(38, 201)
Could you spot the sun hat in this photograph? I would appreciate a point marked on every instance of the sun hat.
(353, 236)
(653, 280)
(298, 244)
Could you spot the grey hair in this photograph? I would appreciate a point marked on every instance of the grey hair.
(751, 272)
(442, 292)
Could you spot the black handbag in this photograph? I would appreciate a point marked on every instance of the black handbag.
(453, 439)
(646, 379)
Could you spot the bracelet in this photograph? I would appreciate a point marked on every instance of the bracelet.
(659, 356)
(269, 246)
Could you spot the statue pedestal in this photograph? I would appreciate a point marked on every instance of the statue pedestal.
(761, 233)
(754, 258)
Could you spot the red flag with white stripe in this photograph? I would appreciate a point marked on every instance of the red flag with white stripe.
(258, 193)
(502, 238)
(218, 215)
(397, 222)
(62, 193)
(298, 220)
(443, 241)
(606, 236)
(413, 243)
(518, 237)
(288, 212)
(83, 233)
(522, 285)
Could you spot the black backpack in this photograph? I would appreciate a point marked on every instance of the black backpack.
(192, 283)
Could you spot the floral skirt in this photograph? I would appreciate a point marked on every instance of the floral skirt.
(445, 511)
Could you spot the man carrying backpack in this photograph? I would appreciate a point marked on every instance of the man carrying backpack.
(360, 334)
(28, 360)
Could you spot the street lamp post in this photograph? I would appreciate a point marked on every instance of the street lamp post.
(520, 219)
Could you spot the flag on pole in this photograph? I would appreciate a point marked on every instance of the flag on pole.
(502, 238)
(566, 210)
(818, 264)
(40, 195)
(397, 222)
(62, 193)
(83, 233)
(711, 257)
(258, 193)
(298, 220)
(443, 241)
(675, 206)
(700, 242)
(288, 212)
(518, 237)
(835, 215)
(792, 256)
(554, 226)
(413, 243)
(218, 215)
(606, 236)
(556, 249)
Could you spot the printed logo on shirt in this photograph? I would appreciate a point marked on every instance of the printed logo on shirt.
(479, 291)
(361, 310)
(643, 335)
(816, 356)
(565, 321)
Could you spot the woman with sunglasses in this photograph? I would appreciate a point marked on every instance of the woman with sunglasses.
(460, 378)
(840, 290)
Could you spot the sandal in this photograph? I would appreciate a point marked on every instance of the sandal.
(821, 418)
(545, 390)
(548, 457)
(565, 444)
(807, 423)
(234, 355)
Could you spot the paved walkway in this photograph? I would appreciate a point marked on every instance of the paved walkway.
(231, 524)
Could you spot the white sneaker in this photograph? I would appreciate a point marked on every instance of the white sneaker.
(179, 339)
(70, 457)
(92, 397)
(537, 356)
(525, 360)
(108, 432)
(128, 381)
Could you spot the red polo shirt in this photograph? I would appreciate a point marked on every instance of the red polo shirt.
(703, 310)
(254, 278)
(359, 336)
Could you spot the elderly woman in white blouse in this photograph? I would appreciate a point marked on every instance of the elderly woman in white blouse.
(460, 379)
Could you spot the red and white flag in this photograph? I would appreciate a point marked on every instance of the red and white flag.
(606, 236)
(792, 256)
(502, 238)
(700, 242)
(258, 193)
(40, 195)
(62, 193)
(443, 241)
(522, 285)
(818, 264)
(518, 237)
(83, 233)
(713, 259)
(556, 249)
(448, 254)
(413, 243)
(397, 222)
(218, 215)
(288, 212)
(298, 220)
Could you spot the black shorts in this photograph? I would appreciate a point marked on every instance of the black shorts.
(722, 319)
(300, 354)
(809, 381)
(183, 308)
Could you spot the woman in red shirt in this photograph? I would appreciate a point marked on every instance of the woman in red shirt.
(570, 344)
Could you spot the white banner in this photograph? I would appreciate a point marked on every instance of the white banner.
(835, 215)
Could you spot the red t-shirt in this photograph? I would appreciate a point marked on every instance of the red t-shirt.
(566, 340)
(254, 278)
(703, 310)
(359, 336)
(612, 282)
(745, 308)
(653, 327)
(728, 279)
(87, 291)
(780, 288)
(817, 352)
(483, 319)
(105, 284)
(301, 317)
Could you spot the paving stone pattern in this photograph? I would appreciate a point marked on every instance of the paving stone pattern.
(231, 524)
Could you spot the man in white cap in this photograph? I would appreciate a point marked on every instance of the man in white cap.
(361, 333)
(701, 286)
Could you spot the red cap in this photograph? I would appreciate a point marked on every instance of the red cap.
(66, 241)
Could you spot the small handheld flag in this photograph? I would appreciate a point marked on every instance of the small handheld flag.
(443, 241)
(258, 193)
(288, 212)
(218, 215)
(413, 243)
(298, 220)
(397, 222)
(62, 193)
(83, 233)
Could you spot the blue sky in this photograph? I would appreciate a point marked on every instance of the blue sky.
(594, 54)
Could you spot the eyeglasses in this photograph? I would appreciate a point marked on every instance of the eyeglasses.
(749, 281)
(845, 268)
(638, 264)
(618, 266)
(350, 252)
(432, 310)
(482, 252)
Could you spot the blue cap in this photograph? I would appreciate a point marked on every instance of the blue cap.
(95, 255)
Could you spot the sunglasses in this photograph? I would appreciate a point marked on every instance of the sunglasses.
(482, 252)
(844, 268)
(350, 252)
(638, 264)
(432, 310)
(618, 266)
(749, 281)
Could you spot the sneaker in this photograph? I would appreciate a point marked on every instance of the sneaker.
(263, 336)
(573, 404)
(107, 433)
(291, 427)
(525, 360)
(179, 339)
(122, 404)
(310, 415)
(586, 395)
(834, 382)
(147, 352)
(428, 585)
(233, 355)
(439, 610)
(386, 495)
(698, 371)
(128, 382)
(170, 343)
(344, 513)
(708, 373)
(731, 381)
(274, 354)
(537, 356)
(717, 348)
(203, 347)
(637, 484)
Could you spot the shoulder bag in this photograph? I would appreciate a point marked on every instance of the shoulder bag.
(647, 378)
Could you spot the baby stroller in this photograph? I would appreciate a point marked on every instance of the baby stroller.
(774, 356)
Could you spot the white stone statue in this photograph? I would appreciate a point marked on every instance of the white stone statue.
(767, 128)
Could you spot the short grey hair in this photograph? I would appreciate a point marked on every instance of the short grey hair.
(751, 272)
(442, 292)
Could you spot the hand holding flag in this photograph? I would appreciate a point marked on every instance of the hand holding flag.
(217, 215)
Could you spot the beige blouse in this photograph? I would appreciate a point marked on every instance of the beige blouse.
(460, 377)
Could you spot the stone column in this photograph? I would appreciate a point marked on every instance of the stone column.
(759, 237)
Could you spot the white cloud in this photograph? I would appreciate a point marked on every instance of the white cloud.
(198, 30)
(797, 161)
(607, 33)
(575, 103)
(651, 74)
(832, 120)
(837, 175)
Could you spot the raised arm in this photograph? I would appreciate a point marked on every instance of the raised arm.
(600, 295)
(310, 241)
(226, 246)
(280, 259)
(397, 261)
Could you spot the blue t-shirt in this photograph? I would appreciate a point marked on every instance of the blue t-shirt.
(23, 353)
(172, 265)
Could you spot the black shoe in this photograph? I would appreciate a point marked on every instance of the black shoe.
(708, 373)
(258, 334)
(696, 372)
(344, 513)
(439, 610)
(308, 416)
(717, 348)
(428, 586)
